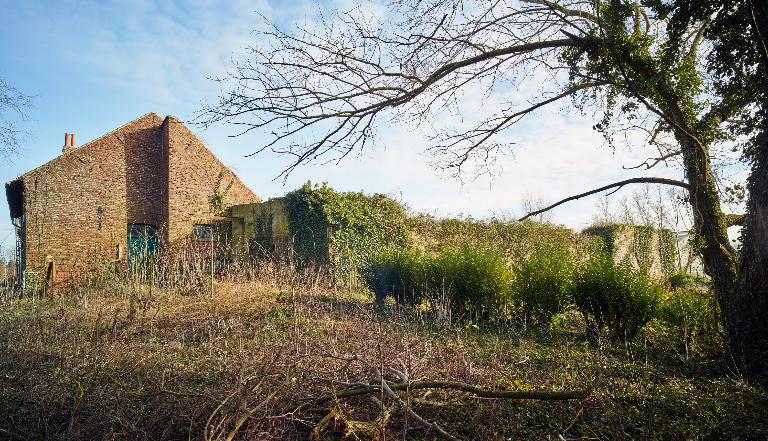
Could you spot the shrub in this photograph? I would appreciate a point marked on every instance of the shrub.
(403, 273)
(543, 284)
(692, 314)
(686, 280)
(614, 296)
(477, 279)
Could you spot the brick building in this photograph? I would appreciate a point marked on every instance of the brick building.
(147, 184)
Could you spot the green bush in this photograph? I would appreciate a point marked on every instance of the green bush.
(403, 273)
(686, 280)
(543, 284)
(616, 297)
(477, 278)
(692, 314)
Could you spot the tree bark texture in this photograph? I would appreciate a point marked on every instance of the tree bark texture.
(750, 343)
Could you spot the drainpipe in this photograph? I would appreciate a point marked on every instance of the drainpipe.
(18, 223)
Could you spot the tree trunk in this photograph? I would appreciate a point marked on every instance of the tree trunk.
(710, 224)
(711, 227)
(749, 343)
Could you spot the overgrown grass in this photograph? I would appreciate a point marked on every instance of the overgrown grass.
(116, 362)
(473, 281)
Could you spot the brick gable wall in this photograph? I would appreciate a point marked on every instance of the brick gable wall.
(149, 171)
(146, 176)
(75, 205)
(193, 172)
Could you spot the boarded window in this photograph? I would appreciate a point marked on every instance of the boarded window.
(202, 232)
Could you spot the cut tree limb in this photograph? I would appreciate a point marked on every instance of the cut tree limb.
(453, 385)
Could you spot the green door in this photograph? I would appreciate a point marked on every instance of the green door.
(142, 245)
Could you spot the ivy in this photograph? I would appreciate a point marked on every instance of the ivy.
(218, 200)
(647, 244)
(343, 230)
(642, 247)
(263, 234)
(516, 240)
(668, 251)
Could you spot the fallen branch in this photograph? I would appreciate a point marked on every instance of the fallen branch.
(434, 426)
(479, 392)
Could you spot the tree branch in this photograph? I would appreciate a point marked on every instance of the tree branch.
(364, 389)
(617, 185)
(733, 220)
(648, 165)
(562, 9)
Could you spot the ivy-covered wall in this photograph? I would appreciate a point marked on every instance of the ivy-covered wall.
(516, 240)
(342, 229)
(339, 231)
(645, 248)
(323, 227)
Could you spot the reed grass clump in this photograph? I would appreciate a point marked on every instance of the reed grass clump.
(403, 273)
(475, 279)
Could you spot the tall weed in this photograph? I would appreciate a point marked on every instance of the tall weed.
(478, 279)
(402, 273)
(474, 280)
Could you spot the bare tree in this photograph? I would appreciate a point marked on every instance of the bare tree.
(320, 91)
(13, 110)
(531, 204)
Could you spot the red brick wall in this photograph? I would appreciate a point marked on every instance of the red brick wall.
(149, 171)
(146, 176)
(76, 207)
(193, 172)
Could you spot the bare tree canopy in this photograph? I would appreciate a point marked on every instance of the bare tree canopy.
(333, 81)
(13, 110)
(321, 89)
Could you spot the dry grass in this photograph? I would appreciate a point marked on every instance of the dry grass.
(119, 362)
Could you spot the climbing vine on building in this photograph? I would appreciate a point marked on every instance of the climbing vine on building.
(642, 246)
(262, 240)
(668, 250)
(342, 229)
(218, 200)
(639, 244)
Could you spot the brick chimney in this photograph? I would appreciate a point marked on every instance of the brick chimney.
(69, 142)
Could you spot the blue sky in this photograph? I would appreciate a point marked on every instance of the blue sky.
(92, 66)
